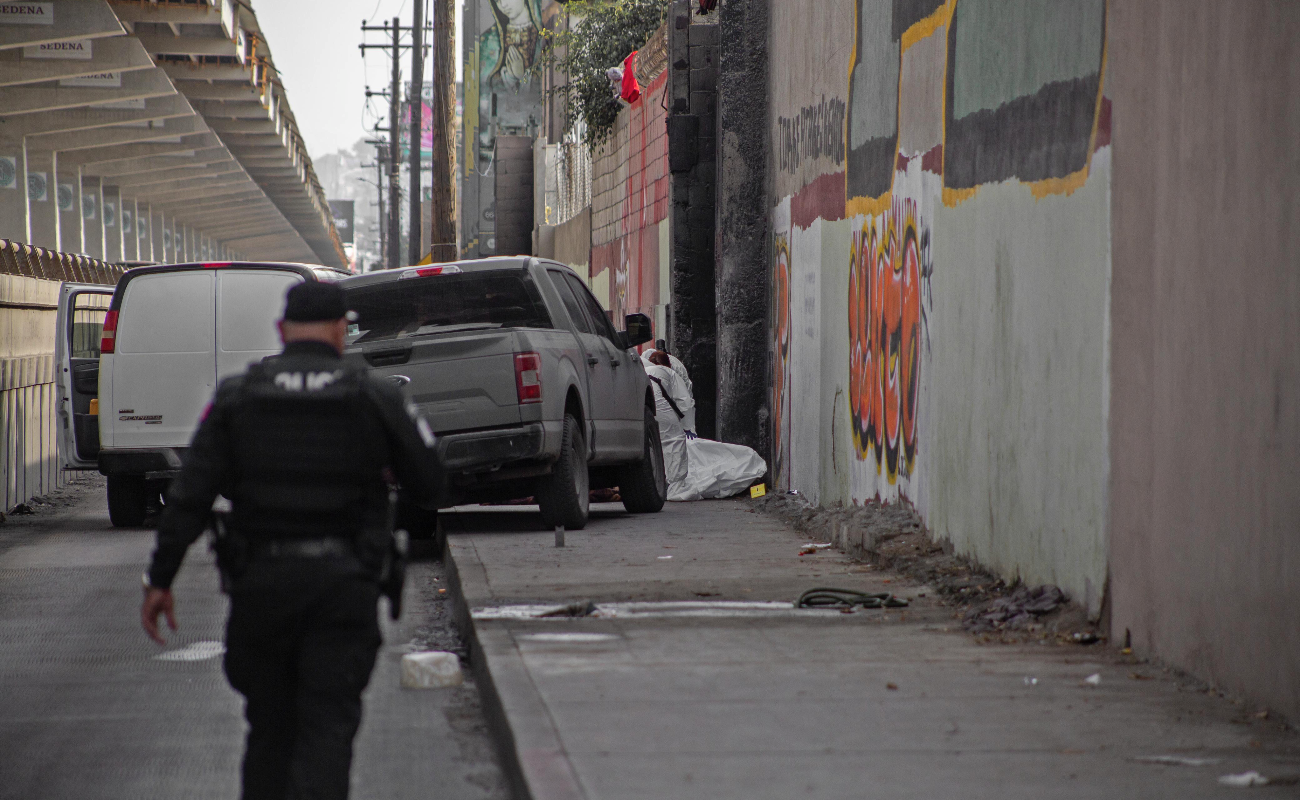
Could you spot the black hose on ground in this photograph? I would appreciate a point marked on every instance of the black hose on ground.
(826, 597)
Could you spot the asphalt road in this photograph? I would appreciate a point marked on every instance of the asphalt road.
(89, 707)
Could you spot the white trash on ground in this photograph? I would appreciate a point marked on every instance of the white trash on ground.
(433, 669)
(1243, 780)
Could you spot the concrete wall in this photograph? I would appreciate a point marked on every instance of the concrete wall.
(940, 271)
(692, 136)
(573, 242)
(1205, 346)
(743, 414)
(29, 293)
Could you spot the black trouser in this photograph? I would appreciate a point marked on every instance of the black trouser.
(300, 645)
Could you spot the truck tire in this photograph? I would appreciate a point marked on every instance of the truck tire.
(128, 500)
(419, 523)
(565, 495)
(643, 486)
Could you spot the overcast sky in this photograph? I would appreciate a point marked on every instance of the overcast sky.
(314, 45)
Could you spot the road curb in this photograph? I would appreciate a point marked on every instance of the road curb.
(532, 755)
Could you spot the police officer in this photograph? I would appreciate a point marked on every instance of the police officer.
(303, 445)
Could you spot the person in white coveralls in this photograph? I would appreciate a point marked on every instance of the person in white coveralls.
(695, 468)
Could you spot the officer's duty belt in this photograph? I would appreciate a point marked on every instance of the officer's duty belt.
(304, 548)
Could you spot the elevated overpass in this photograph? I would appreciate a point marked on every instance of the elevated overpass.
(153, 130)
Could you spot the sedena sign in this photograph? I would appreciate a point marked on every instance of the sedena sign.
(26, 13)
(73, 49)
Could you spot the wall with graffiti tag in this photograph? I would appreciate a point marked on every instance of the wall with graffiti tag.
(940, 275)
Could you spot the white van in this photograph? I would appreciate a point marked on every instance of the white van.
(169, 335)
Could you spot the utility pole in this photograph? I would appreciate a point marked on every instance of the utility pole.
(442, 228)
(415, 249)
(381, 160)
(394, 154)
(395, 30)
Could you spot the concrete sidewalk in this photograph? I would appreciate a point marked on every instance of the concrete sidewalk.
(729, 698)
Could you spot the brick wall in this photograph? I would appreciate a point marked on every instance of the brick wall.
(629, 210)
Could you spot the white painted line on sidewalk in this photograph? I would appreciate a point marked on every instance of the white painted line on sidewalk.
(567, 638)
(196, 651)
(646, 610)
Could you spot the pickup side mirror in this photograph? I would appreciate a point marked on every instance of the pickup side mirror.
(639, 329)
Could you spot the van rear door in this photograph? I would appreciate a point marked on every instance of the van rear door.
(80, 321)
(163, 372)
(249, 301)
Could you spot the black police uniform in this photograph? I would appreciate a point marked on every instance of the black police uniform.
(299, 444)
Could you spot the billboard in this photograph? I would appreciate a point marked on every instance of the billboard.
(343, 213)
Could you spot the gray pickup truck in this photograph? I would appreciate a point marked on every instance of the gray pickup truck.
(529, 388)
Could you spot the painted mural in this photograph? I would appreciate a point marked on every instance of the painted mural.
(886, 339)
(511, 44)
(781, 364)
(943, 97)
(503, 96)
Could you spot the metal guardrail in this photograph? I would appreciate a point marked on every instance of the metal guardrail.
(17, 258)
(29, 432)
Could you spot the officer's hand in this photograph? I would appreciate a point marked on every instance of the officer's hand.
(156, 601)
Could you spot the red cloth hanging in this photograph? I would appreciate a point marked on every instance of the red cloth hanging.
(631, 89)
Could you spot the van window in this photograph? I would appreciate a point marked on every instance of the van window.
(418, 306)
(251, 302)
(167, 313)
(88, 311)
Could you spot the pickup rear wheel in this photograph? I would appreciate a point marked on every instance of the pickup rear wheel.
(564, 495)
(643, 485)
(128, 500)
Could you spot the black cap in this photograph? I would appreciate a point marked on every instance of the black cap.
(313, 301)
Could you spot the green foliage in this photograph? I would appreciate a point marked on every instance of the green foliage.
(606, 33)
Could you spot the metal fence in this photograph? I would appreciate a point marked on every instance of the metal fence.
(29, 294)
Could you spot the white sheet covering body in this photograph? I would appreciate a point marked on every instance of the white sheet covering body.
(697, 469)
(672, 434)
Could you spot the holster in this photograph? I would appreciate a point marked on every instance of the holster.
(232, 548)
(385, 552)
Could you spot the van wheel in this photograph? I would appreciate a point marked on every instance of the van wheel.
(643, 485)
(128, 500)
(565, 494)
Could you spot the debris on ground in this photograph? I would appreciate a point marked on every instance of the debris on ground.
(1242, 780)
(891, 537)
(431, 670)
(1016, 611)
(1176, 761)
(1093, 680)
(579, 608)
(848, 599)
(21, 509)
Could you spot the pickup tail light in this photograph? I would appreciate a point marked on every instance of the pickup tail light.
(426, 272)
(108, 340)
(528, 377)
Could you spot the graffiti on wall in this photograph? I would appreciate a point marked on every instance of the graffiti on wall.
(781, 365)
(888, 263)
(817, 131)
(943, 97)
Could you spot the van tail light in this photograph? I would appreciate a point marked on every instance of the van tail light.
(528, 377)
(108, 341)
